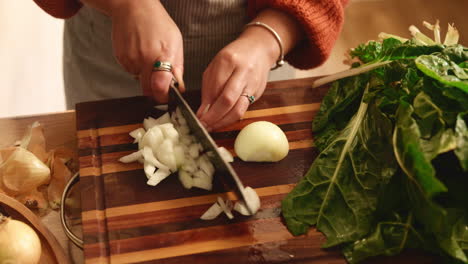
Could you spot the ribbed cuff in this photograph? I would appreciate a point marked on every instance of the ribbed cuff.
(60, 8)
(321, 21)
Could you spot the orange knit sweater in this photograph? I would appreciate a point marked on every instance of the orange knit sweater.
(321, 20)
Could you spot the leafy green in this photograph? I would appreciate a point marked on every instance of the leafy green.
(393, 165)
(462, 140)
(443, 70)
(409, 154)
(353, 159)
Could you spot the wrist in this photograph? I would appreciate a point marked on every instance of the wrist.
(114, 7)
(261, 40)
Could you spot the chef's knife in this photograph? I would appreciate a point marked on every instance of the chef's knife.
(223, 169)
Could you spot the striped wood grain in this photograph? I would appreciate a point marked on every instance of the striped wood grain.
(124, 220)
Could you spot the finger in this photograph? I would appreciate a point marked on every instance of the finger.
(160, 82)
(214, 79)
(178, 75)
(178, 70)
(234, 115)
(226, 100)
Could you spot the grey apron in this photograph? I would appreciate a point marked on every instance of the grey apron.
(91, 72)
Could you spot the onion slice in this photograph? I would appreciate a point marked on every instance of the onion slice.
(226, 206)
(241, 208)
(212, 212)
(252, 199)
(225, 154)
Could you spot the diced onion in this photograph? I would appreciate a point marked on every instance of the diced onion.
(225, 154)
(170, 132)
(163, 107)
(180, 117)
(186, 179)
(194, 150)
(137, 134)
(150, 158)
(165, 154)
(149, 123)
(153, 138)
(179, 154)
(202, 183)
(206, 166)
(135, 156)
(166, 118)
(149, 169)
(158, 176)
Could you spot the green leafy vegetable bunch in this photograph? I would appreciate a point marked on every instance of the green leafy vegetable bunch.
(392, 172)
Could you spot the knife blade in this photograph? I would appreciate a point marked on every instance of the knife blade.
(228, 175)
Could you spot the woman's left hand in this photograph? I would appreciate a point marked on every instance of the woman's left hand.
(239, 69)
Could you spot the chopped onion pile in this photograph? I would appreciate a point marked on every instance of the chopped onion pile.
(166, 146)
(226, 206)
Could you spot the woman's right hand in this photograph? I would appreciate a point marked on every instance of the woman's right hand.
(142, 33)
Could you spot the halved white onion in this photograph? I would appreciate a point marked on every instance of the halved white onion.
(261, 141)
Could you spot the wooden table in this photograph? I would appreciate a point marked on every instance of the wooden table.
(60, 130)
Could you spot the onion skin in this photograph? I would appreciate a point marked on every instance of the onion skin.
(19, 243)
(261, 141)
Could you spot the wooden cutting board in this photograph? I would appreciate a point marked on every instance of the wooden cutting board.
(127, 221)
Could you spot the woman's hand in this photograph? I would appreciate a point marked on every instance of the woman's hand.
(142, 33)
(242, 67)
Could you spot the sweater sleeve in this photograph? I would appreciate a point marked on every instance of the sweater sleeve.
(59, 8)
(321, 21)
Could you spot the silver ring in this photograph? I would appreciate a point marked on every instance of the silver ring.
(251, 98)
(162, 66)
